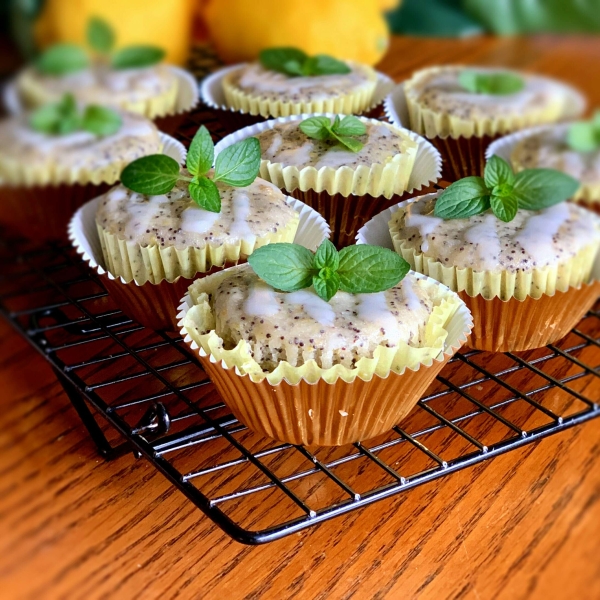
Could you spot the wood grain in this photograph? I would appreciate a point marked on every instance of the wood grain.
(524, 525)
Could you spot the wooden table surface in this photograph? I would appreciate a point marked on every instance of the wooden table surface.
(523, 525)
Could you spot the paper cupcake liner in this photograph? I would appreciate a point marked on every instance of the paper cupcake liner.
(155, 305)
(213, 95)
(42, 212)
(183, 99)
(311, 405)
(517, 325)
(587, 195)
(463, 151)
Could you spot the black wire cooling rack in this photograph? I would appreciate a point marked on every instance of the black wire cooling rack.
(142, 391)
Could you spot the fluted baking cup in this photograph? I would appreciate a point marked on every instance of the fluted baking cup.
(587, 195)
(42, 212)
(339, 405)
(463, 150)
(155, 305)
(213, 95)
(345, 196)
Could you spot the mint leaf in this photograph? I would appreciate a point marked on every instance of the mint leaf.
(349, 142)
(287, 267)
(101, 121)
(283, 59)
(327, 256)
(496, 84)
(135, 57)
(62, 59)
(317, 128)
(540, 188)
(326, 283)
(349, 125)
(201, 154)
(153, 175)
(464, 198)
(368, 269)
(100, 35)
(498, 172)
(57, 118)
(322, 64)
(583, 136)
(504, 207)
(206, 194)
(238, 164)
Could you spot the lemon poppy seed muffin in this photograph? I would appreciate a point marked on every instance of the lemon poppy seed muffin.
(150, 238)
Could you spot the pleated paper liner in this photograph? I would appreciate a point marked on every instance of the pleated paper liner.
(588, 195)
(337, 413)
(43, 212)
(155, 305)
(186, 100)
(212, 94)
(462, 156)
(346, 214)
(514, 325)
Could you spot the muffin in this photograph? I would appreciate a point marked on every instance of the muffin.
(527, 282)
(462, 110)
(45, 177)
(249, 93)
(298, 369)
(548, 147)
(148, 249)
(346, 187)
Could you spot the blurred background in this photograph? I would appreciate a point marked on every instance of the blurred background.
(238, 29)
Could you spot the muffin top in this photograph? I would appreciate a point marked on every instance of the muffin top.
(285, 143)
(439, 90)
(25, 152)
(549, 149)
(101, 85)
(533, 239)
(175, 220)
(299, 326)
(255, 80)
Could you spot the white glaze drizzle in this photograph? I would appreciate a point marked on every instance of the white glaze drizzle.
(315, 307)
(485, 236)
(197, 220)
(261, 301)
(411, 299)
(374, 308)
(425, 224)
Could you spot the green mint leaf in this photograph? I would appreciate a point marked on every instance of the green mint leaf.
(540, 188)
(583, 136)
(326, 283)
(504, 207)
(368, 269)
(498, 172)
(100, 35)
(283, 59)
(497, 84)
(153, 175)
(326, 256)
(349, 125)
(349, 142)
(57, 118)
(206, 194)
(201, 154)
(135, 57)
(62, 59)
(322, 64)
(101, 121)
(238, 164)
(287, 267)
(464, 198)
(318, 128)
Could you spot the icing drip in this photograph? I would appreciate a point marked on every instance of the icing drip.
(374, 308)
(484, 236)
(261, 301)
(315, 307)
(197, 220)
(240, 206)
(426, 226)
(411, 300)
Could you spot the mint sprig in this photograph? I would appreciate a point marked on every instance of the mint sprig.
(156, 174)
(496, 84)
(62, 59)
(504, 192)
(63, 117)
(343, 131)
(296, 63)
(361, 269)
(584, 136)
